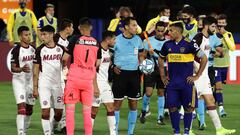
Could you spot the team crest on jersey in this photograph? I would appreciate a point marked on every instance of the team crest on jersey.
(21, 96)
(169, 49)
(182, 49)
(58, 49)
(45, 102)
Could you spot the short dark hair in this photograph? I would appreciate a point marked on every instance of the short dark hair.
(85, 21)
(21, 29)
(47, 28)
(160, 23)
(222, 16)
(209, 20)
(162, 8)
(64, 23)
(178, 25)
(127, 20)
(107, 34)
(189, 10)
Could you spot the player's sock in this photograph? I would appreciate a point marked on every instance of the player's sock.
(132, 119)
(117, 118)
(187, 122)
(111, 123)
(145, 102)
(27, 121)
(54, 124)
(87, 121)
(201, 111)
(175, 120)
(70, 110)
(214, 116)
(93, 116)
(20, 123)
(219, 97)
(46, 127)
(161, 102)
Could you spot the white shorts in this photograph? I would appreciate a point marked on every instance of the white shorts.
(51, 96)
(106, 95)
(203, 86)
(23, 91)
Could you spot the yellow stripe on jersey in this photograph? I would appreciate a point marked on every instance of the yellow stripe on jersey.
(175, 57)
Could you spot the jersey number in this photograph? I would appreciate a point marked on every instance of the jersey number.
(86, 57)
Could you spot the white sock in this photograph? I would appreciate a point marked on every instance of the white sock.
(112, 124)
(93, 122)
(181, 110)
(215, 118)
(62, 122)
(46, 127)
(54, 124)
(20, 124)
(220, 108)
(27, 121)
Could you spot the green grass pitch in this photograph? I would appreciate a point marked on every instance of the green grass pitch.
(8, 116)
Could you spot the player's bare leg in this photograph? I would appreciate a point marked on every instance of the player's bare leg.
(111, 118)
(219, 98)
(21, 114)
(94, 114)
(117, 104)
(161, 103)
(46, 122)
(146, 100)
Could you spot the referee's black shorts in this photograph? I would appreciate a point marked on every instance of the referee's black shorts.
(153, 80)
(126, 84)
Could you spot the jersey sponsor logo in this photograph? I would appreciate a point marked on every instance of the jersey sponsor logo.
(87, 42)
(52, 57)
(28, 58)
(180, 57)
(84, 67)
(106, 60)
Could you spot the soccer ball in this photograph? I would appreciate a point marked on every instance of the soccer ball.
(147, 66)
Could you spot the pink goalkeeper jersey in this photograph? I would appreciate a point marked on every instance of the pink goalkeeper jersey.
(84, 51)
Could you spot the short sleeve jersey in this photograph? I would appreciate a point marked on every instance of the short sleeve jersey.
(156, 45)
(84, 52)
(180, 58)
(126, 52)
(22, 56)
(50, 61)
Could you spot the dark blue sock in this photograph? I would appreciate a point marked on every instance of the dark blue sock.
(175, 120)
(219, 98)
(187, 122)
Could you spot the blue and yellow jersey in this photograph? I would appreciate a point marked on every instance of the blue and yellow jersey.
(156, 45)
(126, 52)
(180, 58)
